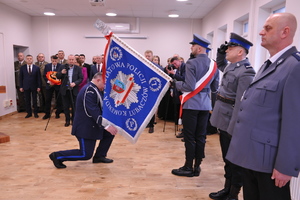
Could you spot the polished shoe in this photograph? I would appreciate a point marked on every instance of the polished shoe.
(57, 116)
(57, 163)
(151, 130)
(28, 115)
(197, 171)
(46, 116)
(102, 160)
(180, 135)
(67, 124)
(183, 171)
(36, 115)
(182, 140)
(223, 193)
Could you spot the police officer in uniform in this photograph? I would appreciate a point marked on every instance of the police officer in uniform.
(237, 76)
(88, 127)
(196, 109)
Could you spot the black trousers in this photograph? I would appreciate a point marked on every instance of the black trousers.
(194, 123)
(232, 171)
(69, 100)
(58, 101)
(86, 149)
(28, 94)
(260, 186)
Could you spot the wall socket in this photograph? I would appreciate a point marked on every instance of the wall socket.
(7, 103)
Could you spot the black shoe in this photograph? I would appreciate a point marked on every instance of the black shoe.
(222, 194)
(36, 115)
(28, 115)
(57, 163)
(180, 135)
(57, 116)
(182, 140)
(67, 124)
(197, 171)
(102, 160)
(46, 116)
(183, 171)
(151, 130)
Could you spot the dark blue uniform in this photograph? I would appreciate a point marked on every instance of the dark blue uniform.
(87, 127)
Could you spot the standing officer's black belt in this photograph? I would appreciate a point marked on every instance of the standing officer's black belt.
(225, 100)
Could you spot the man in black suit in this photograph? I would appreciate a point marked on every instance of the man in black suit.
(71, 76)
(30, 84)
(51, 88)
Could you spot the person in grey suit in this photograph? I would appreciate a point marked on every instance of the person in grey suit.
(237, 76)
(265, 138)
(71, 76)
(196, 109)
(20, 96)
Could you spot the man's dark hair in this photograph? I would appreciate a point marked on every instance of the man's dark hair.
(54, 57)
(174, 58)
(82, 55)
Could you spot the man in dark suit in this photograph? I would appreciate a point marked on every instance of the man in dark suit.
(71, 76)
(265, 138)
(88, 127)
(17, 64)
(178, 73)
(51, 88)
(30, 84)
(96, 67)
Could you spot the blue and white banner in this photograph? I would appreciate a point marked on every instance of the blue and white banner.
(134, 88)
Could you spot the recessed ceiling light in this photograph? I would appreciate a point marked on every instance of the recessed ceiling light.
(111, 13)
(173, 14)
(49, 12)
(182, 0)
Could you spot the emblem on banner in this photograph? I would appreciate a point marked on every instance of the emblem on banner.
(116, 54)
(155, 84)
(124, 90)
(131, 124)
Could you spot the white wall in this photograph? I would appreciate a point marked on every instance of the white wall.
(164, 36)
(228, 12)
(15, 29)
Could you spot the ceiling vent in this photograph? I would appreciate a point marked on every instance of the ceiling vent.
(97, 2)
(119, 27)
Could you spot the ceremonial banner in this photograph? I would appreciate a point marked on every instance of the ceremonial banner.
(134, 87)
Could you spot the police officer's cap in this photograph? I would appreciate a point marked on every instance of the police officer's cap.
(236, 40)
(197, 39)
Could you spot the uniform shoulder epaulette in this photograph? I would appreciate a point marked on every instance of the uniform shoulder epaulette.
(297, 55)
(247, 65)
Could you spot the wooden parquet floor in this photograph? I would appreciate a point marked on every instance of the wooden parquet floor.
(140, 171)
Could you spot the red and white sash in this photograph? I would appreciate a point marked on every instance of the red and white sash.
(199, 86)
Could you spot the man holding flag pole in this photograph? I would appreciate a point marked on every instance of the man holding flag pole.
(201, 77)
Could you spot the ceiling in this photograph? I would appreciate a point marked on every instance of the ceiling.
(195, 9)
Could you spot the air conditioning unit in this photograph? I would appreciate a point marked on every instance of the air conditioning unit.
(97, 2)
(119, 27)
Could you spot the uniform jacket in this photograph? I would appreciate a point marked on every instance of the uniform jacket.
(236, 79)
(48, 68)
(76, 78)
(42, 68)
(18, 66)
(88, 117)
(30, 81)
(195, 69)
(266, 134)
